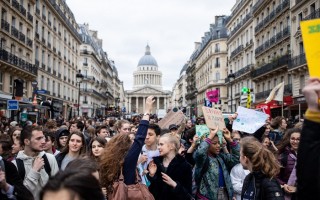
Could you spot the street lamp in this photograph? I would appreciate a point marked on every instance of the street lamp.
(231, 78)
(79, 78)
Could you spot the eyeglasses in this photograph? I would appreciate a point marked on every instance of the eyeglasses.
(295, 139)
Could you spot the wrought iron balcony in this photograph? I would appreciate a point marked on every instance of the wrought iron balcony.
(277, 64)
(22, 37)
(22, 10)
(297, 61)
(37, 63)
(262, 95)
(37, 35)
(49, 45)
(5, 25)
(216, 50)
(49, 22)
(242, 71)
(236, 51)
(14, 32)
(15, 4)
(314, 15)
(29, 42)
(18, 62)
(43, 40)
(30, 17)
(257, 5)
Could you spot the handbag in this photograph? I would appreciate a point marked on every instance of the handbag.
(137, 191)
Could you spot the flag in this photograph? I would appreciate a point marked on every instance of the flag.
(276, 93)
(213, 96)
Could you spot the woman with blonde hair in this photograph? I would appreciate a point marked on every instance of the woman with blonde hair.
(261, 183)
(121, 154)
(122, 127)
(170, 174)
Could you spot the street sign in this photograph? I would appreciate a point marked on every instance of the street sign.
(34, 83)
(12, 105)
(41, 91)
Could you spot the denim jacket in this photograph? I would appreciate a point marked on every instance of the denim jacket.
(209, 183)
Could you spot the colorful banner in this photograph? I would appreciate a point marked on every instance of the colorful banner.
(202, 131)
(311, 40)
(213, 96)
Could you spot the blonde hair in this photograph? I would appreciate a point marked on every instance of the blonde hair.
(173, 140)
(120, 123)
(261, 158)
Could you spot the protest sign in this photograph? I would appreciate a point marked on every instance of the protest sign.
(202, 131)
(171, 118)
(311, 39)
(249, 120)
(213, 118)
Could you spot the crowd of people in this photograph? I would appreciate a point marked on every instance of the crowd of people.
(88, 159)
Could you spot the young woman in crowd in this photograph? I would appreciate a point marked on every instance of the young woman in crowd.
(211, 170)
(170, 174)
(14, 132)
(279, 125)
(97, 146)
(288, 149)
(120, 153)
(122, 127)
(265, 141)
(62, 138)
(75, 147)
(16, 147)
(261, 183)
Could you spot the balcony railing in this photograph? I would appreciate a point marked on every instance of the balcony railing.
(18, 62)
(5, 25)
(298, 61)
(15, 4)
(37, 35)
(243, 22)
(43, 66)
(242, 71)
(236, 51)
(49, 22)
(22, 10)
(22, 37)
(314, 15)
(30, 17)
(29, 42)
(274, 40)
(263, 95)
(257, 5)
(277, 64)
(14, 32)
(37, 63)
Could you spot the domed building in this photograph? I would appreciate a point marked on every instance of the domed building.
(147, 80)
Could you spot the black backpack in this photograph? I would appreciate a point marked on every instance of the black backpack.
(22, 171)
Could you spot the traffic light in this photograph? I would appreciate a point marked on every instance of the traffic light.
(249, 99)
(245, 90)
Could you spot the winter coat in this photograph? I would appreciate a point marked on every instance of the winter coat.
(34, 180)
(288, 164)
(20, 191)
(308, 161)
(275, 136)
(265, 188)
(209, 183)
(180, 171)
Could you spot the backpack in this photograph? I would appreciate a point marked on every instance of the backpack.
(137, 191)
(22, 170)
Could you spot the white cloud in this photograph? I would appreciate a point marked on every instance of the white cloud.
(169, 26)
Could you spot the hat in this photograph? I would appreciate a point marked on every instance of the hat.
(62, 132)
(173, 126)
(13, 123)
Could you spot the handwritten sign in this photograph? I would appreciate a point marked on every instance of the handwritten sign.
(202, 131)
(311, 40)
(249, 120)
(213, 118)
(171, 118)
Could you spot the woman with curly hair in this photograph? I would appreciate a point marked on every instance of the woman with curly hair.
(261, 183)
(120, 154)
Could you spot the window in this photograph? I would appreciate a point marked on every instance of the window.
(269, 85)
(37, 53)
(301, 49)
(217, 65)
(275, 82)
(20, 27)
(2, 43)
(48, 84)
(282, 79)
(11, 85)
(300, 17)
(4, 15)
(13, 22)
(217, 76)
(302, 81)
(217, 49)
(43, 57)
(53, 86)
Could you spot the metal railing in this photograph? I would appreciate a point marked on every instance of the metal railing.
(280, 62)
(297, 61)
(244, 70)
(30, 17)
(236, 51)
(5, 25)
(14, 32)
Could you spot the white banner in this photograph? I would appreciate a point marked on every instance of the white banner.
(249, 120)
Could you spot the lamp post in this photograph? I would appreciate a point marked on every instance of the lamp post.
(231, 77)
(79, 78)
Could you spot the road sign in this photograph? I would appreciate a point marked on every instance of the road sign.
(12, 105)
(34, 83)
(41, 91)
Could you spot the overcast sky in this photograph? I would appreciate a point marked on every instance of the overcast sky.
(170, 27)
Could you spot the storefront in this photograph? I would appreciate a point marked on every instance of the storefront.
(274, 108)
(298, 108)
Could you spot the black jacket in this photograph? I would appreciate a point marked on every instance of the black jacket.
(180, 171)
(59, 158)
(13, 178)
(265, 188)
(308, 162)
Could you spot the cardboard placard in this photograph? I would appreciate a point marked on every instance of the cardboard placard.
(249, 120)
(171, 118)
(213, 118)
(311, 40)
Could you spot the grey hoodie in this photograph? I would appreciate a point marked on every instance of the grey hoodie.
(34, 180)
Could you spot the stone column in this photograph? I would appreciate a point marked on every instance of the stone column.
(144, 103)
(129, 106)
(157, 103)
(165, 103)
(137, 104)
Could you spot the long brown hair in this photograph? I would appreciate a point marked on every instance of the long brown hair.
(285, 142)
(112, 159)
(83, 149)
(261, 158)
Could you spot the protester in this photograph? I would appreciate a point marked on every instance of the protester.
(279, 126)
(288, 148)
(269, 144)
(50, 139)
(75, 147)
(16, 147)
(121, 154)
(261, 183)
(308, 159)
(170, 174)
(33, 164)
(211, 170)
(76, 126)
(122, 127)
(97, 146)
(237, 175)
(62, 138)
(102, 131)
